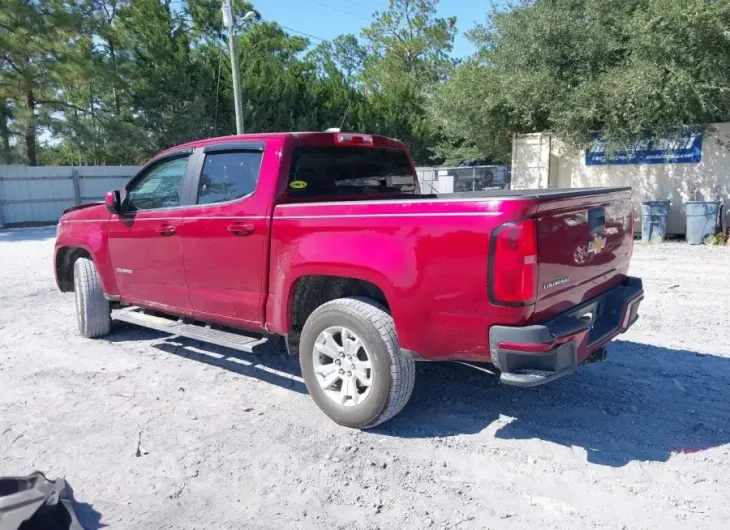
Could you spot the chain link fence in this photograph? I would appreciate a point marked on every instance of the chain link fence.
(463, 178)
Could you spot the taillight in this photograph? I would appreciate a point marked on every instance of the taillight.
(513, 264)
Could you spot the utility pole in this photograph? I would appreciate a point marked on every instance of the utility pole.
(235, 74)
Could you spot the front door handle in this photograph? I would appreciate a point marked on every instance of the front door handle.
(166, 230)
(241, 229)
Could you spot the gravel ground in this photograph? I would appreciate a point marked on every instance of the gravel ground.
(159, 432)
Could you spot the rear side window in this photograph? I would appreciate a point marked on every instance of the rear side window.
(321, 171)
(229, 176)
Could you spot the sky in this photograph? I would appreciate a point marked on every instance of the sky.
(326, 19)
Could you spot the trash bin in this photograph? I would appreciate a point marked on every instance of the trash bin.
(654, 215)
(703, 218)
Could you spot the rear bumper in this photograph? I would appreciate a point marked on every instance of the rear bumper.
(537, 354)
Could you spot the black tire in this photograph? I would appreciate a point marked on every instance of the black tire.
(93, 311)
(393, 372)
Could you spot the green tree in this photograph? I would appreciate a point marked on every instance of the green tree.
(408, 56)
(167, 82)
(98, 127)
(408, 38)
(114, 81)
(344, 53)
(627, 68)
(8, 153)
(37, 40)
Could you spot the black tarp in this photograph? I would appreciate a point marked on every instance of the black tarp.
(36, 503)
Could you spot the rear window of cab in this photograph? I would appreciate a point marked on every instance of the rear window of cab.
(334, 171)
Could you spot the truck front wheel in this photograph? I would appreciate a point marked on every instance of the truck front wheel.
(92, 309)
(352, 364)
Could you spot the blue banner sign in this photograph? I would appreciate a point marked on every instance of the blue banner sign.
(684, 148)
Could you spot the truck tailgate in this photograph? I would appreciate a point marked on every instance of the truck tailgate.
(584, 246)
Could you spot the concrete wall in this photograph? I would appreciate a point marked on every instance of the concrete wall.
(706, 180)
(40, 194)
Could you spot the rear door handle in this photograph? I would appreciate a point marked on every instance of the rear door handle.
(241, 229)
(166, 230)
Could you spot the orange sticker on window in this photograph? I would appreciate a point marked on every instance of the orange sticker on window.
(298, 184)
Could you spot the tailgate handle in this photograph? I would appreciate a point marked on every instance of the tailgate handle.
(596, 219)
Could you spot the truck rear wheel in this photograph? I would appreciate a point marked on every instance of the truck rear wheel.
(93, 312)
(352, 364)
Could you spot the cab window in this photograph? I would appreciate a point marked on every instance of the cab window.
(229, 176)
(158, 188)
(327, 171)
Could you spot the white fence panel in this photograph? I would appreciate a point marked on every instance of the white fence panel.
(40, 194)
(34, 195)
(34, 212)
(96, 181)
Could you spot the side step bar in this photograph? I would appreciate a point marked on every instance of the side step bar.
(229, 338)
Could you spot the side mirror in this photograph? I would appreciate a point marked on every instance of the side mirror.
(113, 201)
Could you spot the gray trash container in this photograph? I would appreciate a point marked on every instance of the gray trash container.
(654, 215)
(703, 218)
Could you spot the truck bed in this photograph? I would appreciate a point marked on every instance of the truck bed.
(432, 252)
(531, 194)
(539, 194)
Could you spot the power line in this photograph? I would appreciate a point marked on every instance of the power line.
(340, 10)
(300, 32)
(358, 4)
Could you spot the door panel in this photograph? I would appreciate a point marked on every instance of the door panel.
(144, 240)
(224, 270)
(146, 253)
(225, 240)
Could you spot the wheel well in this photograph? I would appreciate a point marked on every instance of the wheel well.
(65, 259)
(310, 292)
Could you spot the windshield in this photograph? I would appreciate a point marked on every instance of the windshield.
(321, 171)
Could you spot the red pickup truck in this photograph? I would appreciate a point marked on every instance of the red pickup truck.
(326, 240)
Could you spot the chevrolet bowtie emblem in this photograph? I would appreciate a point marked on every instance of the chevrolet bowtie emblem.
(597, 245)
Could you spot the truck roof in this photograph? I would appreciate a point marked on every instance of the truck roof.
(311, 137)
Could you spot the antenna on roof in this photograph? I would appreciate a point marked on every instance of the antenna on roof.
(345, 115)
(339, 129)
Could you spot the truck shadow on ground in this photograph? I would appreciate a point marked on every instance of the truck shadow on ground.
(271, 365)
(643, 404)
(275, 368)
(89, 518)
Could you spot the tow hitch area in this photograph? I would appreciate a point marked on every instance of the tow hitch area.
(597, 356)
(528, 378)
(539, 353)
